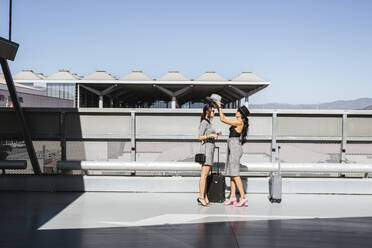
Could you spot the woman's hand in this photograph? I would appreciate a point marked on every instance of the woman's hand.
(218, 103)
(214, 136)
(218, 134)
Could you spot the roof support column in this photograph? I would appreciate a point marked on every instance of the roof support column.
(100, 102)
(246, 101)
(174, 102)
(172, 94)
(242, 94)
(100, 94)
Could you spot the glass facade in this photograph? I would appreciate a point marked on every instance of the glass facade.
(89, 99)
(158, 104)
(61, 90)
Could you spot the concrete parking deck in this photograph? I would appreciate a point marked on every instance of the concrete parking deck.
(31, 219)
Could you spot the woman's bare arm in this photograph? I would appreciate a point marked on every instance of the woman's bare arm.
(226, 120)
(205, 137)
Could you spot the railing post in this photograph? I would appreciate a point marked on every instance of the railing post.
(44, 154)
(273, 137)
(344, 139)
(343, 143)
(77, 104)
(62, 135)
(133, 136)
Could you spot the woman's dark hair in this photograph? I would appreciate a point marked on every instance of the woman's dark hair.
(207, 108)
(243, 136)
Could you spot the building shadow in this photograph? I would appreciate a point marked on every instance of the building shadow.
(335, 232)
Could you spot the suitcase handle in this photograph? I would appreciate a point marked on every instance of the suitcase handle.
(218, 159)
(279, 159)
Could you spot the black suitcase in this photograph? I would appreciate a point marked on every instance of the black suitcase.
(216, 183)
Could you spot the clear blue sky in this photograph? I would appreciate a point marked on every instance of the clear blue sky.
(311, 51)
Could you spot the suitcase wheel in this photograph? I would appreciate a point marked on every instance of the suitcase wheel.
(272, 200)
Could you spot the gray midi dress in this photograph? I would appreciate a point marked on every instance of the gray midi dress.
(234, 154)
(207, 146)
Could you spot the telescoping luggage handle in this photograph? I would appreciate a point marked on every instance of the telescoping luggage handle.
(278, 159)
(218, 159)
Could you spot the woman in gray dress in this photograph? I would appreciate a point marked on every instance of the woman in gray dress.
(237, 137)
(207, 135)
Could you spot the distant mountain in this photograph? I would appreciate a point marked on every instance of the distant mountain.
(361, 103)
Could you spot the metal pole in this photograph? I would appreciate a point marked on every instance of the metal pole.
(133, 136)
(63, 136)
(44, 154)
(10, 19)
(78, 96)
(344, 138)
(191, 166)
(343, 143)
(21, 117)
(273, 137)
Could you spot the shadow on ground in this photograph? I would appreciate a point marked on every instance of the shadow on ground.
(21, 215)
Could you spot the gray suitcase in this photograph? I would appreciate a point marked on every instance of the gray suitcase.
(275, 184)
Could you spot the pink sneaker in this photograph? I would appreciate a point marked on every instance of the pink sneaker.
(231, 201)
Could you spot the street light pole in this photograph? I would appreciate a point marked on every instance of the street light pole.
(8, 51)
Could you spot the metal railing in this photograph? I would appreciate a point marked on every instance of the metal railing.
(190, 166)
(158, 126)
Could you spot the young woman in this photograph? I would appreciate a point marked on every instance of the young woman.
(207, 135)
(237, 137)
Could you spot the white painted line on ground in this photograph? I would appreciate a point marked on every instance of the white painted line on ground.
(172, 219)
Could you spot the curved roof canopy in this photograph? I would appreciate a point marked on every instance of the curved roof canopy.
(137, 87)
(136, 76)
(28, 75)
(211, 76)
(248, 77)
(99, 75)
(173, 76)
(63, 75)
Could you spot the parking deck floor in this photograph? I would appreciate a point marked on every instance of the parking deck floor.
(32, 219)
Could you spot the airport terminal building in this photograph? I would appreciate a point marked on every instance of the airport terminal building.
(137, 90)
(30, 96)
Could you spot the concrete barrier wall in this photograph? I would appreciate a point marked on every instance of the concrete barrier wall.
(178, 184)
(170, 135)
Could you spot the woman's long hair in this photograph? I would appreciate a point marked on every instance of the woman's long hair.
(206, 110)
(243, 136)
